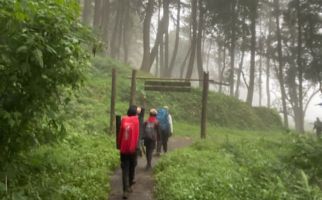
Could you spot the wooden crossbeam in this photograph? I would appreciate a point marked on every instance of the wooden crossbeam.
(167, 86)
(168, 83)
(182, 80)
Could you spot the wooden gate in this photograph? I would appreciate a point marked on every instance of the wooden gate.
(168, 85)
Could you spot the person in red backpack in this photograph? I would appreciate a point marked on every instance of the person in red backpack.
(150, 133)
(127, 142)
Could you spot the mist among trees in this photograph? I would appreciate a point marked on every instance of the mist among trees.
(250, 44)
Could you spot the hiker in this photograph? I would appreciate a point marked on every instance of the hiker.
(127, 142)
(318, 127)
(166, 129)
(151, 130)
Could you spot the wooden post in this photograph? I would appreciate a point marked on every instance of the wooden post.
(113, 95)
(204, 105)
(133, 88)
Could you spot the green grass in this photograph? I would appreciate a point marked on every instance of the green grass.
(76, 168)
(234, 164)
(223, 111)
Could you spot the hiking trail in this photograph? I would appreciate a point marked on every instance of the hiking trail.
(143, 189)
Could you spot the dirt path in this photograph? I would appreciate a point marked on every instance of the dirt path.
(143, 189)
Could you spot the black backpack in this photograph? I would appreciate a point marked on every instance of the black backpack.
(150, 131)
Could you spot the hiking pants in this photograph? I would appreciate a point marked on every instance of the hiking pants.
(163, 141)
(149, 147)
(128, 164)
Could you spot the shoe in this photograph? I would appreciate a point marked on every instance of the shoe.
(133, 182)
(125, 195)
(148, 167)
(130, 190)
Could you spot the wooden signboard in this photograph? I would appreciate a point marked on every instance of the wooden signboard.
(168, 86)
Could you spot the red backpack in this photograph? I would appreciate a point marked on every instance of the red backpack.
(129, 134)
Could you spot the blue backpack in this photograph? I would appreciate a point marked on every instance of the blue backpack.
(163, 118)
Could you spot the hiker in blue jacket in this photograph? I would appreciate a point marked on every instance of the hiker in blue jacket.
(166, 129)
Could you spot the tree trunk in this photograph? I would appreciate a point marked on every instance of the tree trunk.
(166, 36)
(219, 63)
(194, 38)
(300, 68)
(157, 61)
(281, 65)
(146, 36)
(160, 32)
(176, 44)
(260, 73)
(268, 68)
(250, 92)
(87, 11)
(158, 41)
(115, 49)
(159, 57)
(208, 54)
(162, 67)
(221, 78)
(268, 94)
(126, 30)
(97, 15)
(232, 47)
(184, 63)
(105, 23)
(239, 73)
(240, 68)
(120, 31)
(199, 42)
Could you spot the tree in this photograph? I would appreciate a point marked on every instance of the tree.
(97, 14)
(176, 43)
(166, 13)
(253, 5)
(298, 31)
(199, 40)
(42, 54)
(87, 12)
(280, 72)
(146, 36)
(194, 25)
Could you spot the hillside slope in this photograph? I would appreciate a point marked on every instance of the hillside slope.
(223, 111)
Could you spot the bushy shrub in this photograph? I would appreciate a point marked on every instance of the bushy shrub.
(41, 60)
(269, 118)
(76, 168)
(247, 169)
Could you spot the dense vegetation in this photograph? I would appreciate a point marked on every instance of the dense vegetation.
(76, 168)
(247, 165)
(42, 60)
(43, 153)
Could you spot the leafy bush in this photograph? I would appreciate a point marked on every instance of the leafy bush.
(76, 168)
(41, 60)
(305, 153)
(269, 117)
(244, 169)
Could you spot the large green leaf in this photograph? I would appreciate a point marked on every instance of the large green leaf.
(39, 57)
